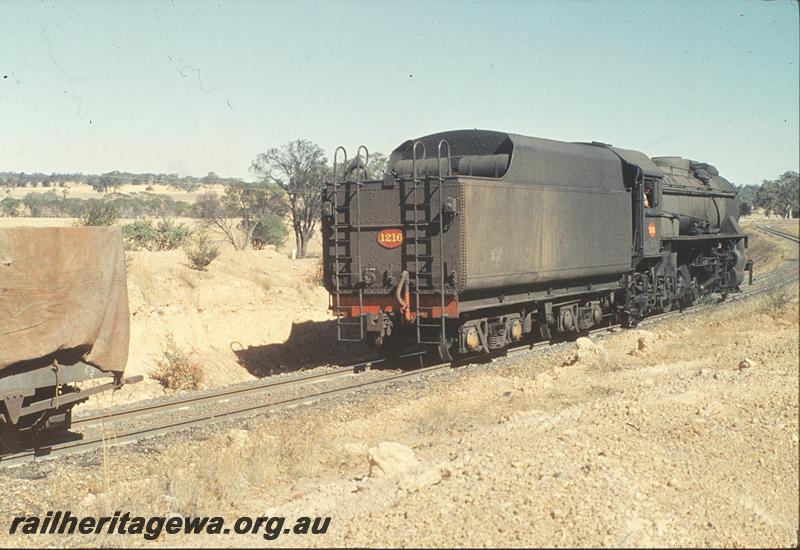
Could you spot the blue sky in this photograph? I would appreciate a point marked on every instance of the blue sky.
(191, 87)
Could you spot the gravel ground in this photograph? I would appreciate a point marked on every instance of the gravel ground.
(682, 434)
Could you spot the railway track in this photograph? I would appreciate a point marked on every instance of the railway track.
(170, 425)
(161, 426)
(266, 386)
(777, 233)
(231, 392)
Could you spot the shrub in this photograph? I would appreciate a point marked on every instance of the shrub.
(202, 252)
(138, 235)
(141, 204)
(72, 207)
(270, 230)
(170, 236)
(10, 206)
(241, 210)
(176, 370)
(43, 204)
(166, 235)
(98, 213)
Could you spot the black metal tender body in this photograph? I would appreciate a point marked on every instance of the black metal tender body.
(474, 239)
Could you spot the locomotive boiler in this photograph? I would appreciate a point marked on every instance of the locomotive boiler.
(472, 240)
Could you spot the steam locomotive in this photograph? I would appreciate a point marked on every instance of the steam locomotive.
(473, 240)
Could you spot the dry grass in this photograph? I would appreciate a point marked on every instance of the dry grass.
(441, 416)
(779, 302)
(300, 446)
(787, 226)
(178, 370)
(246, 462)
(765, 251)
(436, 420)
(218, 480)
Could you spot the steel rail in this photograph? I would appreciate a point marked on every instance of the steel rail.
(230, 392)
(791, 267)
(787, 236)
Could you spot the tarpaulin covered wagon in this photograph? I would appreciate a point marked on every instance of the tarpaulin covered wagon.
(63, 321)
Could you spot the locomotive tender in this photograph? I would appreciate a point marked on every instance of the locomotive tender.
(475, 239)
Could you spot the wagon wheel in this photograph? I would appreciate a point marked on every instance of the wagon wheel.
(50, 422)
(41, 428)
